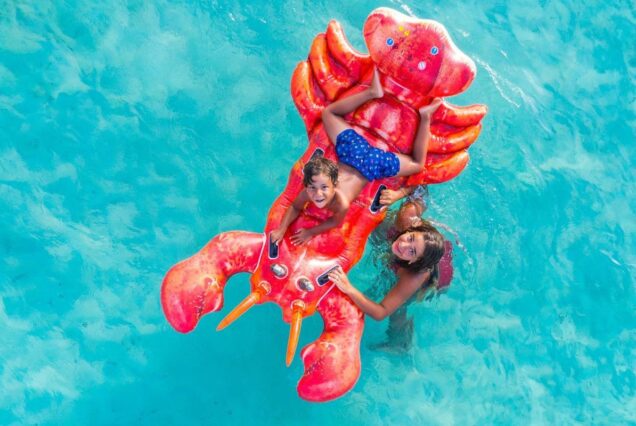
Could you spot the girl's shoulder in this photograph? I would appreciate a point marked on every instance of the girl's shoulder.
(406, 275)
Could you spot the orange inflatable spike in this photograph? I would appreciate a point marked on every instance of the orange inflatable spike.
(294, 331)
(242, 307)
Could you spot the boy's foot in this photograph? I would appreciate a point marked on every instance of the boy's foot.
(376, 86)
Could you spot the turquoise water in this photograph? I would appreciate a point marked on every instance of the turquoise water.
(132, 132)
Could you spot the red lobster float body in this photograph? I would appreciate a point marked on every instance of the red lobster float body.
(417, 62)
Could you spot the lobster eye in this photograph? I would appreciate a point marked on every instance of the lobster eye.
(421, 66)
(280, 271)
(389, 41)
(434, 50)
(304, 284)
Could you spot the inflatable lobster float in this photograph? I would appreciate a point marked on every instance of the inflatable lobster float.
(417, 62)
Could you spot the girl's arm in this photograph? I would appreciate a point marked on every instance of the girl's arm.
(389, 196)
(406, 287)
(291, 213)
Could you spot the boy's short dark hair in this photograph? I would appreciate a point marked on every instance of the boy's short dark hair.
(317, 166)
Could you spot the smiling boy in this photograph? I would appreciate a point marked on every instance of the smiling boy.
(320, 180)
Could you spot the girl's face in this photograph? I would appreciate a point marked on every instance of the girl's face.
(321, 190)
(409, 246)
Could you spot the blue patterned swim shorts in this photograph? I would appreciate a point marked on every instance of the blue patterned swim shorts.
(354, 150)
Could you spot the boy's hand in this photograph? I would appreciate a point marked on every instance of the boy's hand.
(301, 236)
(428, 110)
(277, 235)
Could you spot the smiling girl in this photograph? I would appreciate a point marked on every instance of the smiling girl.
(415, 253)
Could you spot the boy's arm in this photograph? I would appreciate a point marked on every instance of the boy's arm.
(303, 235)
(290, 215)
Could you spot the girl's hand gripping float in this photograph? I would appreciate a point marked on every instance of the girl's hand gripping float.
(417, 62)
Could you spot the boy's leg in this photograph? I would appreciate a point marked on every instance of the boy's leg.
(332, 115)
(410, 165)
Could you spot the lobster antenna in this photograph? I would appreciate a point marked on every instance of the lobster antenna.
(251, 300)
(298, 308)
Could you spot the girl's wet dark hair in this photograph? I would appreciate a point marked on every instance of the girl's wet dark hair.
(429, 288)
(433, 249)
(320, 165)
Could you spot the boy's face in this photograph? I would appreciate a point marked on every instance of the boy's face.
(321, 190)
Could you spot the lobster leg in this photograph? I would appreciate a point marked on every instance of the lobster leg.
(453, 129)
(333, 66)
(307, 96)
(331, 79)
(194, 287)
(332, 362)
(357, 64)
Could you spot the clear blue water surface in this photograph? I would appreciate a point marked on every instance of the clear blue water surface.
(132, 132)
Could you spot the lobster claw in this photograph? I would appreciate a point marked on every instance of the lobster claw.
(189, 291)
